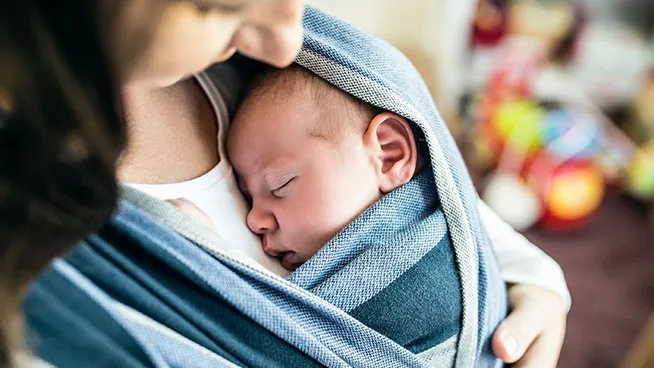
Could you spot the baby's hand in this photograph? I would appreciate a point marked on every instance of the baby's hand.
(192, 210)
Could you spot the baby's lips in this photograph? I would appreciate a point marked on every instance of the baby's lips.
(289, 264)
(267, 248)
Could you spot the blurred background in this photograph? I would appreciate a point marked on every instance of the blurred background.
(552, 103)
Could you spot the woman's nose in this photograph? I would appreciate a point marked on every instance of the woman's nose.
(272, 33)
(260, 221)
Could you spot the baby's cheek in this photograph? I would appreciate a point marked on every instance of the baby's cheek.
(332, 218)
(316, 223)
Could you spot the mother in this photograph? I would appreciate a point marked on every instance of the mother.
(63, 65)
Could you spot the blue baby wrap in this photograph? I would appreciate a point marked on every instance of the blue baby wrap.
(396, 253)
(150, 289)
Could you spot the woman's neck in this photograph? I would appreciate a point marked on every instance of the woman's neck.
(172, 134)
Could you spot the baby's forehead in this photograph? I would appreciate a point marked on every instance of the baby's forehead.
(325, 110)
(294, 84)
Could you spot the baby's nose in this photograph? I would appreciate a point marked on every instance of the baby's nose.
(259, 222)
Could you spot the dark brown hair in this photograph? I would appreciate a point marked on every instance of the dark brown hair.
(60, 135)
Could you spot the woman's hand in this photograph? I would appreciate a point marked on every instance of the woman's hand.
(532, 334)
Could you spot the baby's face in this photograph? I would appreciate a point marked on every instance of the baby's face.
(303, 190)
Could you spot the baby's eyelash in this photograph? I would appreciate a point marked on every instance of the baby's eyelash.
(275, 192)
(283, 185)
(206, 6)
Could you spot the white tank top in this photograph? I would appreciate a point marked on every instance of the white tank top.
(216, 192)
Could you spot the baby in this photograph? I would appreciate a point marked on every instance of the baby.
(340, 193)
(311, 158)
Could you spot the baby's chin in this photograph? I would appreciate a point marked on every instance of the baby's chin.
(291, 261)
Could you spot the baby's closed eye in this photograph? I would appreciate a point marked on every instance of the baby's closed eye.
(285, 188)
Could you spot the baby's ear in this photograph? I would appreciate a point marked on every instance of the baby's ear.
(392, 147)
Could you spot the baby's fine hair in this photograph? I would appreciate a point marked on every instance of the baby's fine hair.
(340, 112)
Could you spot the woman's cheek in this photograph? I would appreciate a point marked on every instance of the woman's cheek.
(187, 44)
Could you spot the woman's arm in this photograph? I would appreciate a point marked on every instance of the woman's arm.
(538, 298)
(521, 262)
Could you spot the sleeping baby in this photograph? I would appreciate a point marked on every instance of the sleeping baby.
(340, 190)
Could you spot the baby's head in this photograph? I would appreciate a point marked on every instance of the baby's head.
(311, 158)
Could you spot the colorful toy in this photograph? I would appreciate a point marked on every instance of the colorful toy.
(570, 134)
(490, 22)
(553, 163)
(546, 170)
(574, 191)
(640, 174)
(514, 70)
(513, 200)
(519, 123)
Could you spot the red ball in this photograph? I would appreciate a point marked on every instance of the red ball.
(571, 194)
